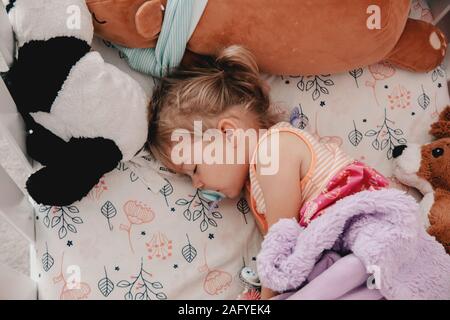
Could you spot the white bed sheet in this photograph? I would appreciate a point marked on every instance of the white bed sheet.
(125, 241)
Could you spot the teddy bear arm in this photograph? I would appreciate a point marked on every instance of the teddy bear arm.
(421, 47)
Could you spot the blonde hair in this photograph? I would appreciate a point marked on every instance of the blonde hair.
(202, 93)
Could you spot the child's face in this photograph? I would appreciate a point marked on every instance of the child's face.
(228, 179)
(228, 175)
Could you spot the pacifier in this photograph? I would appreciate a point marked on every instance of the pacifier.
(213, 196)
(249, 278)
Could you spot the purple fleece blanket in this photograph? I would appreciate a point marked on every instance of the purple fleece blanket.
(381, 228)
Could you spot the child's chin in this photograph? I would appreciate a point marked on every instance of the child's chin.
(233, 195)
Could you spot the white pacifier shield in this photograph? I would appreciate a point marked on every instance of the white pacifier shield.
(250, 276)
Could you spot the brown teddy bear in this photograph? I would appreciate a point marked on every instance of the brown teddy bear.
(287, 36)
(427, 168)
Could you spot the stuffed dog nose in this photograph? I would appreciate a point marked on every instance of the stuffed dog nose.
(398, 150)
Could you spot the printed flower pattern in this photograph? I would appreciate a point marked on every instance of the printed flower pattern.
(137, 213)
(379, 71)
(216, 281)
(73, 288)
(400, 98)
(122, 223)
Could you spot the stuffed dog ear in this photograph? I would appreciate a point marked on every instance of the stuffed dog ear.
(149, 18)
(441, 129)
(445, 114)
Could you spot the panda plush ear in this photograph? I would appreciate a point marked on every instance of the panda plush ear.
(441, 129)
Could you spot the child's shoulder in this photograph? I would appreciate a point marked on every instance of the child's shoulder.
(289, 138)
(286, 130)
(284, 145)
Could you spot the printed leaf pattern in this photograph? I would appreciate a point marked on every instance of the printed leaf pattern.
(105, 285)
(166, 191)
(423, 100)
(141, 288)
(109, 211)
(64, 218)
(386, 137)
(437, 73)
(189, 252)
(133, 176)
(47, 260)
(318, 85)
(122, 167)
(198, 207)
(356, 74)
(46, 210)
(355, 137)
(298, 119)
(243, 208)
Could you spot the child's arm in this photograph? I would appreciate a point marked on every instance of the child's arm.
(281, 191)
(267, 293)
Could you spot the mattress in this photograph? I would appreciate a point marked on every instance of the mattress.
(144, 233)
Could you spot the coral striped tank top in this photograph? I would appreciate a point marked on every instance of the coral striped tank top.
(326, 161)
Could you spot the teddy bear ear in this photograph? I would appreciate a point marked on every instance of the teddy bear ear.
(441, 129)
(149, 18)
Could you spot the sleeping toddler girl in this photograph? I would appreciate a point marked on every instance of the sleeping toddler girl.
(217, 125)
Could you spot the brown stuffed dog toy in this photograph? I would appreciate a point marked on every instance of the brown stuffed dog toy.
(427, 168)
(287, 36)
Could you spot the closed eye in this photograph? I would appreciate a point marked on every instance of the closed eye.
(96, 20)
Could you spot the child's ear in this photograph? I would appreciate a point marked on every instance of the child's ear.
(441, 129)
(226, 125)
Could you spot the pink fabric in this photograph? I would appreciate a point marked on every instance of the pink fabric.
(353, 178)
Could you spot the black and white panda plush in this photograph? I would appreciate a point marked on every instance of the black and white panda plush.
(82, 115)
